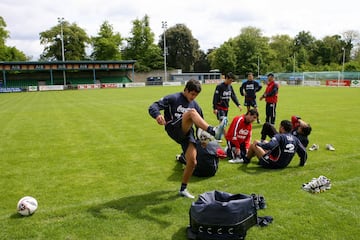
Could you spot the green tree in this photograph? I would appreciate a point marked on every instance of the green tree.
(202, 64)
(75, 41)
(8, 53)
(224, 58)
(304, 45)
(106, 45)
(153, 57)
(328, 50)
(4, 34)
(249, 46)
(282, 53)
(352, 49)
(141, 47)
(302, 61)
(182, 48)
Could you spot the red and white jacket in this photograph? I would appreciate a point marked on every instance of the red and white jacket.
(239, 132)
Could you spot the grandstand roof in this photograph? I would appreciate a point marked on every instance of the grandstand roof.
(66, 65)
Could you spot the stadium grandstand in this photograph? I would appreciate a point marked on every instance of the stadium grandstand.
(69, 74)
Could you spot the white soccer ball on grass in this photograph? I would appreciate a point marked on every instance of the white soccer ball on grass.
(204, 136)
(27, 206)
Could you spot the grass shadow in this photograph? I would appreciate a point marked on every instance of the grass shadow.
(180, 234)
(177, 172)
(18, 216)
(134, 206)
(257, 169)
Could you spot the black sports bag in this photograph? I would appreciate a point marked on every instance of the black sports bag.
(220, 215)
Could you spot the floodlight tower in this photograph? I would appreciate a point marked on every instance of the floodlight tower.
(61, 22)
(294, 64)
(164, 26)
(343, 63)
(258, 67)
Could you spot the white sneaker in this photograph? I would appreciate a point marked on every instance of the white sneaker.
(314, 147)
(311, 186)
(185, 193)
(219, 130)
(317, 185)
(236, 160)
(325, 183)
(330, 147)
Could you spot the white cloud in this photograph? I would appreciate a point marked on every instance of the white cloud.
(211, 22)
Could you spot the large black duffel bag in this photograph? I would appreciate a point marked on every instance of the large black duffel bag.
(220, 215)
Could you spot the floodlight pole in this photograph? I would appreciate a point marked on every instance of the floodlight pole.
(164, 26)
(294, 63)
(61, 21)
(343, 63)
(258, 67)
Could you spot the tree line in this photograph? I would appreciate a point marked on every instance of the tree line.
(249, 51)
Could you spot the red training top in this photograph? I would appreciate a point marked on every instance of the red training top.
(271, 92)
(239, 132)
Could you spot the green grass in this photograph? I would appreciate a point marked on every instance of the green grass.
(101, 168)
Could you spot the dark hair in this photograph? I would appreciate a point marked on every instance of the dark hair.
(286, 124)
(253, 112)
(306, 130)
(230, 75)
(193, 85)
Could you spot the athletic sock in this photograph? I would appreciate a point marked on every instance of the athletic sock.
(211, 130)
(183, 187)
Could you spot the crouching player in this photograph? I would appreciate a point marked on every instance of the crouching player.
(208, 154)
(238, 136)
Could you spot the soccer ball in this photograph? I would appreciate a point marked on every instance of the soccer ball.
(27, 206)
(203, 136)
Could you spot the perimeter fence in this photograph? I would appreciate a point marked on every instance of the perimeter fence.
(331, 78)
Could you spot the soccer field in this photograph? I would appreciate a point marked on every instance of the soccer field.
(101, 168)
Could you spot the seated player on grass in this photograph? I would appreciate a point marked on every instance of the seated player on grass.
(279, 151)
(300, 129)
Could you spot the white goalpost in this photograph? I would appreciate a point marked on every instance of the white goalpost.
(315, 78)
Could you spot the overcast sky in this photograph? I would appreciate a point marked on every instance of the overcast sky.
(212, 22)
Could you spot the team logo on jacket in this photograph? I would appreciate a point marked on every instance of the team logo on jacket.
(226, 95)
(180, 110)
(243, 133)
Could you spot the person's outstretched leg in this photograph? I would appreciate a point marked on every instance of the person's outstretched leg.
(192, 117)
(268, 130)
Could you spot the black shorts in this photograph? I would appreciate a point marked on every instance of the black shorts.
(250, 102)
(175, 132)
(231, 150)
(265, 162)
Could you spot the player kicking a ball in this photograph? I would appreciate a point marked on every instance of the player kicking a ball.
(180, 113)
